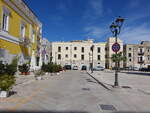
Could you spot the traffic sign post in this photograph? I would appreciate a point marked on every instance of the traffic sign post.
(116, 47)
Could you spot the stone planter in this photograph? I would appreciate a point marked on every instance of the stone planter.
(58, 73)
(39, 78)
(3, 94)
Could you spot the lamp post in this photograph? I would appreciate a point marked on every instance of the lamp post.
(115, 28)
(55, 57)
(92, 49)
(89, 61)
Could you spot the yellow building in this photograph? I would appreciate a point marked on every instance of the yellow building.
(20, 33)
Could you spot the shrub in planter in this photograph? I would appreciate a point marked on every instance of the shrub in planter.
(6, 83)
(10, 69)
(60, 68)
(39, 74)
(24, 69)
(2, 68)
(45, 67)
(54, 68)
(50, 68)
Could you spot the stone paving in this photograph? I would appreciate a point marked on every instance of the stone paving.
(134, 79)
(136, 94)
(74, 92)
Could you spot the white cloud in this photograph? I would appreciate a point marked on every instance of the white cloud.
(135, 34)
(94, 32)
(97, 7)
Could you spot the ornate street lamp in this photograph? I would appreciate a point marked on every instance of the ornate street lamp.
(115, 28)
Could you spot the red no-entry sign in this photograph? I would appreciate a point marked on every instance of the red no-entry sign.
(116, 47)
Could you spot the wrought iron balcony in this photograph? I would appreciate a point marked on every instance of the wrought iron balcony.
(25, 41)
(141, 61)
(140, 52)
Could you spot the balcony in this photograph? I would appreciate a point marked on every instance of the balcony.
(141, 51)
(25, 41)
(141, 61)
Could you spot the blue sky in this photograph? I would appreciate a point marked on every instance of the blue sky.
(65, 20)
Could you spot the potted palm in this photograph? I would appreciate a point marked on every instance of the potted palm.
(6, 83)
(39, 74)
(24, 69)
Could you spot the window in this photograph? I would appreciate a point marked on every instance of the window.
(98, 57)
(66, 55)
(130, 60)
(141, 50)
(22, 30)
(148, 57)
(75, 55)
(66, 48)
(5, 22)
(59, 56)
(59, 49)
(129, 55)
(33, 36)
(75, 48)
(37, 61)
(98, 49)
(148, 50)
(82, 49)
(82, 57)
(130, 49)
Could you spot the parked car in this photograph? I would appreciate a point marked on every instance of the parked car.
(67, 67)
(98, 68)
(145, 69)
(135, 68)
(84, 67)
(75, 68)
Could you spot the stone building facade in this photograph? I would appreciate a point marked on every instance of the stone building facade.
(109, 52)
(138, 55)
(78, 53)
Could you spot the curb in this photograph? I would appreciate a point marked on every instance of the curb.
(99, 82)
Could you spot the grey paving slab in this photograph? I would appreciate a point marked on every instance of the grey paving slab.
(68, 93)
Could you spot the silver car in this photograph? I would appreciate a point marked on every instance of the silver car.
(75, 68)
(98, 68)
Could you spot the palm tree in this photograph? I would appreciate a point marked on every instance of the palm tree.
(118, 58)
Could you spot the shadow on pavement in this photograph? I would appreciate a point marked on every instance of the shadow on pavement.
(43, 112)
(98, 81)
(138, 73)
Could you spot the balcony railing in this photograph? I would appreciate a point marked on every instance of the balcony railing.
(25, 41)
(141, 61)
(140, 52)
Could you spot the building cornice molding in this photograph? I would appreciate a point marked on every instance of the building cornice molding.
(7, 37)
(17, 10)
(27, 15)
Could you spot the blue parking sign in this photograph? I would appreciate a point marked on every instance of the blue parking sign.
(116, 47)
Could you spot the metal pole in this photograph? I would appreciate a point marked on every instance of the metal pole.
(55, 57)
(89, 60)
(71, 55)
(116, 63)
(92, 60)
